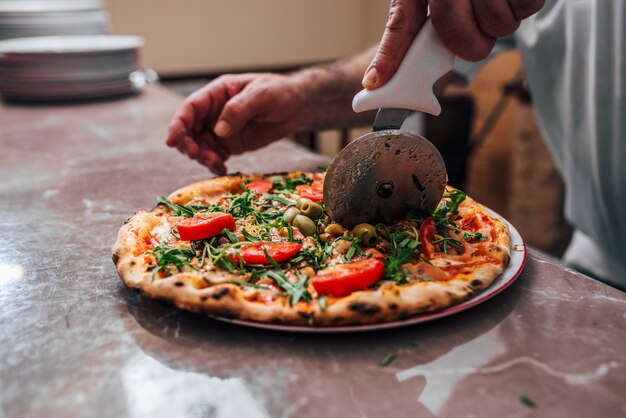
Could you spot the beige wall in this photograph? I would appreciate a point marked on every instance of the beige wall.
(200, 36)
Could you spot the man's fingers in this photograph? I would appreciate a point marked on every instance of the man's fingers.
(196, 108)
(406, 17)
(524, 8)
(495, 17)
(253, 136)
(213, 161)
(458, 29)
(201, 109)
(222, 90)
(177, 132)
(191, 148)
(468, 28)
(256, 135)
(207, 140)
(189, 117)
(241, 109)
(208, 152)
(181, 147)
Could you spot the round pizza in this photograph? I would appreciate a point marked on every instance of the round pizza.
(262, 248)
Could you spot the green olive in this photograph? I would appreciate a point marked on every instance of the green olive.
(290, 214)
(335, 229)
(305, 225)
(367, 233)
(311, 209)
(302, 201)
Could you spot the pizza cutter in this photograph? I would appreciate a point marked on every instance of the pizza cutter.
(383, 175)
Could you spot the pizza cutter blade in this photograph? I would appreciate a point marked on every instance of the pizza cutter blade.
(383, 175)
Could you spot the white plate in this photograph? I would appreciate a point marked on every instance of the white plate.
(36, 6)
(508, 276)
(70, 44)
(88, 17)
(69, 95)
(57, 77)
(91, 29)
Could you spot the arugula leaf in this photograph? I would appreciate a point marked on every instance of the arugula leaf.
(447, 241)
(241, 204)
(205, 253)
(219, 257)
(323, 168)
(349, 253)
(404, 247)
(525, 399)
(287, 185)
(313, 256)
(386, 361)
(300, 289)
(447, 208)
(354, 248)
(269, 218)
(188, 210)
(328, 250)
(168, 256)
(469, 236)
(177, 210)
(200, 207)
(280, 199)
(297, 291)
(257, 274)
(231, 237)
(271, 260)
(248, 236)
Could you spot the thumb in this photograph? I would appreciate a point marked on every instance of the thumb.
(406, 17)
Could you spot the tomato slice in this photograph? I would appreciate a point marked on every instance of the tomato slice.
(204, 225)
(427, 235)
(279, 251)
(313, 191)
(260, 186)
(343, 279)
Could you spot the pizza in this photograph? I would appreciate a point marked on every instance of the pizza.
(262, 248)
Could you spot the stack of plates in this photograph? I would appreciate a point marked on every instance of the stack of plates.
(25, 18)
(70, 67)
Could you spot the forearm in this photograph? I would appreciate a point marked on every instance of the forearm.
(328, 91)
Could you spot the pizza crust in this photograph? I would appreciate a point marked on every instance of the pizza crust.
(130, 246)
(387, 303)
(210, 188)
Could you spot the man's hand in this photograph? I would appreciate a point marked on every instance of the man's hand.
(234, 114)
(468, 28)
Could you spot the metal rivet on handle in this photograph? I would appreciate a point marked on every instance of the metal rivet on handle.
(385, 189)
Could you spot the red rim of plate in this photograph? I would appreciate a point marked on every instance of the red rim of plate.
(508, 276)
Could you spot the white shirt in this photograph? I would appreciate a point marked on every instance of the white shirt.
(574, 54)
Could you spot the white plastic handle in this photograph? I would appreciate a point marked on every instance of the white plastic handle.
(411, 87)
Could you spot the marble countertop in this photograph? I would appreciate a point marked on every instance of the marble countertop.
(74, 342)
